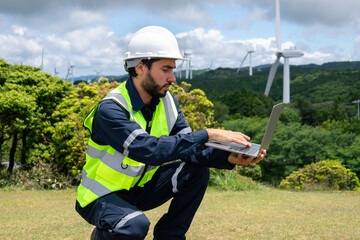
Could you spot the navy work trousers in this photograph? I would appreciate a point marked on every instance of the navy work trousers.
(119, 215)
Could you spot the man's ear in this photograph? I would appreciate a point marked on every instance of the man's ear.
(141, 68)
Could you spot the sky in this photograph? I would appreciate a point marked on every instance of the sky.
(92, 35)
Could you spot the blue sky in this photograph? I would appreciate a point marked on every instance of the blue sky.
(93, 34)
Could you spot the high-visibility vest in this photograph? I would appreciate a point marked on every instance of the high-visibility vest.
(107, 170)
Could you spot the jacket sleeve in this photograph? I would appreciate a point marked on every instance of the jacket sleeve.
(112, 127)
(206, 157)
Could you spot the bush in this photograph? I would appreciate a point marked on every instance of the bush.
(324, 175)
(40, 176)
(231, 180)
(252, 171)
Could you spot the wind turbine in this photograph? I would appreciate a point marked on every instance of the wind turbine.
(97, 76)
(187, 55)
(42, 59)
(55, 72)
(250, 52)
(286, 54)
(211, 64)
(70, 72)
(180, 66)
(179, 71)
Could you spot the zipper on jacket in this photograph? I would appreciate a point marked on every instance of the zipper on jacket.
(148, 128)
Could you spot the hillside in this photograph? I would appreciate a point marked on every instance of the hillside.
(317, 83)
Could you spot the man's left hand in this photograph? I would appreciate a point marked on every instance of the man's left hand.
(239, 159)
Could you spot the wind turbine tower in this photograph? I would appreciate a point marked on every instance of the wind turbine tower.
(70, 72)
(249, 53)
(97, 76)
(286, 54)
(179, 71)
(187, 55)
(42, 59)
(55, 72)
(211, 64)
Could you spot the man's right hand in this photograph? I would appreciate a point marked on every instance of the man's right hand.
(228, 136)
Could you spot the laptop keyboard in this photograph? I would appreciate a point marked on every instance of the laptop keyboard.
(253, 150)
(239, 148)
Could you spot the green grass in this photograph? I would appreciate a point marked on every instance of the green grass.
(262, 214)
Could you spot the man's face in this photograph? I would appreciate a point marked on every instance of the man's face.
(159, 78)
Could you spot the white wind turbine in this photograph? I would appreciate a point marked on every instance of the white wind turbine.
(55, 72)
(187, 55)
(286, 54)
(70, 72)
(250, 61)
(179, 71)
(97, 79)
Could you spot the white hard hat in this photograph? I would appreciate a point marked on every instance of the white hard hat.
(151, 42)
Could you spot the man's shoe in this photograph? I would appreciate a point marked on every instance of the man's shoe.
(94, 234)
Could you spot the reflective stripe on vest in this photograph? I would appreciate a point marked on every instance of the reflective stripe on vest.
(107, 170)
(113, 162)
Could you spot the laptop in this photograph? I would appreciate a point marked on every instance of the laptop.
(255, 149)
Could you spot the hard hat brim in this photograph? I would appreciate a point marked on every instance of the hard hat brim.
(155, 57)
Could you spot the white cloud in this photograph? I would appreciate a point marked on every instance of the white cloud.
(87, 49)
(211, 46)
(15, 47)
(316, 58)
(304, 12)
(18, 30)
(91, 48)
(80, 30)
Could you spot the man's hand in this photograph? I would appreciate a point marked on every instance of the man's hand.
(228, 136)
(239, 159)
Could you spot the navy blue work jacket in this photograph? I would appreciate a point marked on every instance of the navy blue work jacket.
(111, 126)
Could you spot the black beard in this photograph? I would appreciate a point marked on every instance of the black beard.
(151, 87)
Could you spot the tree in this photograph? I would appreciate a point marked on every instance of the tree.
(197, 109)
(69, 136)
(221, 112)
(17, 110)
(308, 115)
(246, 103)
(294, 146)
(28, 98)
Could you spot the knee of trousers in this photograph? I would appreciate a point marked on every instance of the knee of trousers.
(133, 229)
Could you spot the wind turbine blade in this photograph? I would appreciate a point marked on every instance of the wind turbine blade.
(286, 83)
(250, 68)
(242, 62)
(278, 31)
(187, 70)
(42, 59)
(272, 75)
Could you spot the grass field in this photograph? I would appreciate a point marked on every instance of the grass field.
(264, 214)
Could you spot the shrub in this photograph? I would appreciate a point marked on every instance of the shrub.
(40, 176)
(231, 180)
(252, 171)
(324, 175)
(197, 109)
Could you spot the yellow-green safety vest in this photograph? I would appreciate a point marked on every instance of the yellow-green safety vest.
(107, 170)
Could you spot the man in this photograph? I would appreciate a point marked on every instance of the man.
(137, 133)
